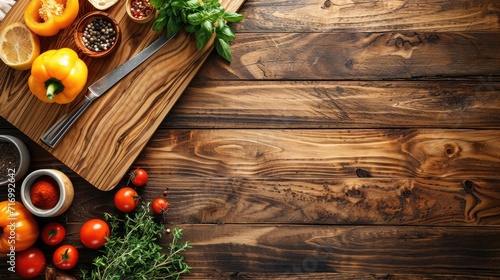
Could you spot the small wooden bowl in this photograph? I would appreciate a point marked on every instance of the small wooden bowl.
(150, 17)
(82, 24)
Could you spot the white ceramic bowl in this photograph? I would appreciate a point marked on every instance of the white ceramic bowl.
(66, 192)
(24, 159)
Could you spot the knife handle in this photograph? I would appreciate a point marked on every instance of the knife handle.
(52, 136)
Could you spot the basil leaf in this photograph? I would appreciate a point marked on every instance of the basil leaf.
(207, 27)
(232, 16)
(196, 18)
(201, 39)
(226, 33)
(155, 3)
(214, 3)
(215, 13)
(192, 4)
(223, 49)
(172, 27)
(184, 14)
(220, 24)
(160, 22)
(190, 28)
(177, 4)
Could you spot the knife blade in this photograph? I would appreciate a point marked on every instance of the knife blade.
(52, 136)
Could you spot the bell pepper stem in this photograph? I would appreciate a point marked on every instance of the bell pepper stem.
(50, 91)
(53, 86)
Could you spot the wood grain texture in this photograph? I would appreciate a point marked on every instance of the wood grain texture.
(337, 104)
(358, 197)
(365, 201)
(336, 276)
(252, 229)
(347, 140)
(111, 134)
(304, 16)
(359, 56)
(265, 153)
(226, 251)
(343, 249)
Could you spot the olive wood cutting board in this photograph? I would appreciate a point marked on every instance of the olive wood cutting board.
(103, 144)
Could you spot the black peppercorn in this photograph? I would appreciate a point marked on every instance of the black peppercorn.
(99, 35)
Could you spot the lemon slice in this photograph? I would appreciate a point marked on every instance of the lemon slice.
(18, 46)
(102, 4)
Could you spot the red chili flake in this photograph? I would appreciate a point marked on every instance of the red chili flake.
(140, 8)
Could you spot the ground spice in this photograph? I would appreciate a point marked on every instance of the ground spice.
(44, 192)
(9, 159)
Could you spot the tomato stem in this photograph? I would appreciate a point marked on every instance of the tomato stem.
(52, 233)
(64, 256)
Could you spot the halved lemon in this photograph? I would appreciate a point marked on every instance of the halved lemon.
(19, 46)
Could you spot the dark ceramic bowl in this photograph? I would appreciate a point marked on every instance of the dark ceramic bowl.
(24, 160)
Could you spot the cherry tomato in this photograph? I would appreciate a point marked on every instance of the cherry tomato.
(126, 199)
(65, 257)
(139, 177)
(159, 205)
(93, 233)
(53, 233)
(30, 262)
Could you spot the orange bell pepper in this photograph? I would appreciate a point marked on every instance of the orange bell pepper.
(18, 226)
(47, 17)
(58, 76)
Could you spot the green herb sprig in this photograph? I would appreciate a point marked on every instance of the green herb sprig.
(201, 17)
(132, 251)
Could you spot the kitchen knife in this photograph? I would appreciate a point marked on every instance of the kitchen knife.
(52, 136)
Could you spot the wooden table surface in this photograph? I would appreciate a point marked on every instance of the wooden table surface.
(347, 140)
(118, 125)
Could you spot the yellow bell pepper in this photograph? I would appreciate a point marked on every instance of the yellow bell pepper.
(58, 76)
(47, 17)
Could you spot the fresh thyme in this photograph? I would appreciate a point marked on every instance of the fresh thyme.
(201, 17)
(132, 251)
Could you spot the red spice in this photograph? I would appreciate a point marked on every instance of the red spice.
(140, 8)
(44, 192)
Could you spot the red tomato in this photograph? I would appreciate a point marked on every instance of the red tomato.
(139, 177)
(53, 233)
(30, 262)
(65, 257)
(93, 233)
(159, 205)
(126, 199)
